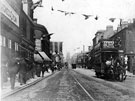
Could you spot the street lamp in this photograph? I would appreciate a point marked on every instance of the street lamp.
(46, 36)
(37, 4)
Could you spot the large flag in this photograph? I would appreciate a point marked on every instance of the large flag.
(56, 47)
(37, 4)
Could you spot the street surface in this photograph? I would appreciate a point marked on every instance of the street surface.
(62, 86)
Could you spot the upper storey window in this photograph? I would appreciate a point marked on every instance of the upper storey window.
(25, 6)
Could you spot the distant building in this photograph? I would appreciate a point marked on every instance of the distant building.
(103, 34)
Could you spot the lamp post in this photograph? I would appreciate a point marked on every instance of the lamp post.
(34, 5)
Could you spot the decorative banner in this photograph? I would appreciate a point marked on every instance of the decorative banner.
(87, 16)
(56, 47)
(52, 9)
(61, 11)
(96, 18)
(72, 13)
(112, 19)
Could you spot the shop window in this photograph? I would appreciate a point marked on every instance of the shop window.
(16, 46)
(9, 44)
(2, 41)
(13, 45)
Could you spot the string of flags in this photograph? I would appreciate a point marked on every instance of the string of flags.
(86, 16)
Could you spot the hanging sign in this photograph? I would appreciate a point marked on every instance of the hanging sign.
(108, 44)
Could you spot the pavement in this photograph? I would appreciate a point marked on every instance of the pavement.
(6, 90)
(130, 74)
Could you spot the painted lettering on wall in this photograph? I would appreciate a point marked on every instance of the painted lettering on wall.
(9, 12)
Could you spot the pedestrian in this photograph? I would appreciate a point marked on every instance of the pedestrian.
(125, 61)
(23, 71)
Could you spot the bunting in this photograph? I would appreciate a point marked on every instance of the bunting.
(112, 19)
(52, 9)
(87, 16)
(96, 18)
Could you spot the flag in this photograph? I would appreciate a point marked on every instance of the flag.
(61, 11)
(86, 16)
(37, 4)
(96, 18)
(112, 19)
(66, 13)
(72, 13)
(52, 9)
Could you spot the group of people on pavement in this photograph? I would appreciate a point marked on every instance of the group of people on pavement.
(21, 70)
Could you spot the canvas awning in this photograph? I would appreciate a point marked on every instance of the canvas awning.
(38, 58)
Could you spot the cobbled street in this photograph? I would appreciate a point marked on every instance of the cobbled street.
(62, 86)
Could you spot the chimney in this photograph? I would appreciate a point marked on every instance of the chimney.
(109, 28)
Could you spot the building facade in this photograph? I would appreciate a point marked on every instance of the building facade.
(124, 40)
(42, 42)
(16, 30)
(126, 44)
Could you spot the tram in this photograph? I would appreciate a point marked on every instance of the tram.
(107, 62)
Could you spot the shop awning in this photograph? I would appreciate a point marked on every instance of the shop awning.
(38, 58)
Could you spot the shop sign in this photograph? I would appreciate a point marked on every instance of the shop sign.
(9, 12)
(108, 44)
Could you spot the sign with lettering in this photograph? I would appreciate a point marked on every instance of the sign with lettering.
(9, 12)
(38, 44)
(108, 44)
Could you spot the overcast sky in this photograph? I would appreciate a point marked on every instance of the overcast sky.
(74, 30)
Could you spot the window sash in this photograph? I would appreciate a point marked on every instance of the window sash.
(9, 44)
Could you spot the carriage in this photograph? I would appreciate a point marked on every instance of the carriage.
(107, 62)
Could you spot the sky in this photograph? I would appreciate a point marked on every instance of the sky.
(73, 30)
